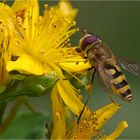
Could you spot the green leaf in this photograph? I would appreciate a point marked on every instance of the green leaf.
(2, 88)
(47, 81)
(32, 86)
(26, 126)
(16, 76)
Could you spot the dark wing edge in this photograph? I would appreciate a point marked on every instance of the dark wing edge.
(129, 66)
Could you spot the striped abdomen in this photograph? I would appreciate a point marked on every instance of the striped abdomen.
(119, 82)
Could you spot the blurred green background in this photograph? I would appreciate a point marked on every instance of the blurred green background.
(118, 24)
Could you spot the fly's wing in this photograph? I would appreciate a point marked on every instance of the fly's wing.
(102, 81)
(129, 66)
(104, 78)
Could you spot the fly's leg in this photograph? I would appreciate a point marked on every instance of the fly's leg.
(90, 92)
(70, 78)
(92, 79)
(78, 50)
(111, 98)
(81, 53)
(100, 135)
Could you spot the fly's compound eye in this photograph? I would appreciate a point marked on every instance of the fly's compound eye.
(87, 40)
(98, 37)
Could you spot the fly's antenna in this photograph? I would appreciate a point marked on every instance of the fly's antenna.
(84, 31)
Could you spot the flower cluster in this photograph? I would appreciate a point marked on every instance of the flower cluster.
(35, 44)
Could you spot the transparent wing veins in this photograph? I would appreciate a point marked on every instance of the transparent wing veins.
(129, 66)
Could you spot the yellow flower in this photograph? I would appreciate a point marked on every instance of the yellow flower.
(6, 40)
(91, 126)
(120, 128)
(43, 46)
(64, 127)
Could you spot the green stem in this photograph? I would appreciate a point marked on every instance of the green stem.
(11, 115)
(2, 110)
(29, 106)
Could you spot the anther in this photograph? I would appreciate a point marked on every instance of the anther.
(42, 51)
(46, 6)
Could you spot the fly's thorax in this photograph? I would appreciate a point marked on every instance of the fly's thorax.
(98, 54)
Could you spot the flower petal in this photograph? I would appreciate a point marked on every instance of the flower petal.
(26, 64)
(75, 65)
(6, 14)
(27, 13)
(58, 115)
(70, 97)
(105, 113)
(67, 9)
(21, 5)
(6, 40)
(118, 131)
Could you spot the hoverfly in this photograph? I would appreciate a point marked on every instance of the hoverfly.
(106, 65)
